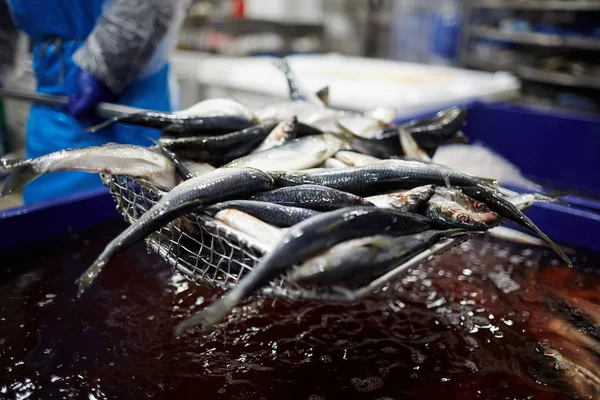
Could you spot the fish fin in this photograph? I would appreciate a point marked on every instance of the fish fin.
(208, 318)
(410, 146)
(460, 138)
(21, 172)
(323, 95)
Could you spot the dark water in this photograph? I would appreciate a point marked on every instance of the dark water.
(465, 326)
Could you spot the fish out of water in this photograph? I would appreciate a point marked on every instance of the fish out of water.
(304, 240)
(259, 230)
(297, 90)
(451, 214)
(205, 116)
(375, 178)
(274, 214)
(281, 134)
(314, 197)
(363, 259)
(187, 169)
(408, 200)
(218, 185)
(475, 208)
(222, 147)
(301, 153)
(111, 158)
(499, 204)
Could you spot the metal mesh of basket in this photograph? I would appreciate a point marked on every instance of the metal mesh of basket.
(208, 252)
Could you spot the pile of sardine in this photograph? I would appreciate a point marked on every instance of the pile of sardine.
(336, 196)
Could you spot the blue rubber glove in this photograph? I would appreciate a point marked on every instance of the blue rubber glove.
(89, 92)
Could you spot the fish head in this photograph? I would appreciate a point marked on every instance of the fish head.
(450, 213)
(479, 209)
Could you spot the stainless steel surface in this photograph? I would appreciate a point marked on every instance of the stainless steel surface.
(106, 110)
(209, 252)
(537, 39)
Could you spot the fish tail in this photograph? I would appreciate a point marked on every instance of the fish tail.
(21, 172)
(209, 317)
(525, 222)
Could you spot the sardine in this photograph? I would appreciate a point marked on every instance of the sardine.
(187, 169)
(281, 134)
(301, 153)
(304, 240)
(409, 200)
(222, 147)
(259, 230)
(496, 202)
(354, 159)
(314, 197)
(297, 90)
(218, 185)
(363, 259)
(207, 116)
(112, 158)
(377, 178)
(274, 214)
(451, 214)
(471, 206)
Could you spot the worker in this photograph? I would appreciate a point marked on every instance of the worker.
(95, 51)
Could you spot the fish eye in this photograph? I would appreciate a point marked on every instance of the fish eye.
(462, 217)
(479, 206)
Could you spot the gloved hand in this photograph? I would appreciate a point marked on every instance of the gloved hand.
(89, 92)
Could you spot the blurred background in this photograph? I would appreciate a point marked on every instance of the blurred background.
(411, 55)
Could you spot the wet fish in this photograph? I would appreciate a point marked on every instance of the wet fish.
(451, 214)
(207, 116)
(314, 197)
(409, 200)
(473, 207)
(297, 90)
(259, 230)
(497, 203)
(281, 134)
(186, 169)
(111, 158)
(354, 159)
(410, 147)
(301, 153)
(363, 259)
(222, 147)
(434, 131)
(218, 185)
(304, 240)
(274, 214)
(376, 178)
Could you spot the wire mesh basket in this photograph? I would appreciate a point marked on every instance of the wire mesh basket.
(209, 252)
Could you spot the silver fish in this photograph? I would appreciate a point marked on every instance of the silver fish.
(284, 132)
(449, 213)
(261, 231)
(301, 153)
(408, 200)
(271, 213)
(112, 158)
(297, 90)
(363, 259)
(218, 185)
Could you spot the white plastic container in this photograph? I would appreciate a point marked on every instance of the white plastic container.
(355, 83)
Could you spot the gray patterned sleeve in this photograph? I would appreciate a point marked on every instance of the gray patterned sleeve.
(124, 39)
(9, 36)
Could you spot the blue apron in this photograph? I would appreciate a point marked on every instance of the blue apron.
(57, 29)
